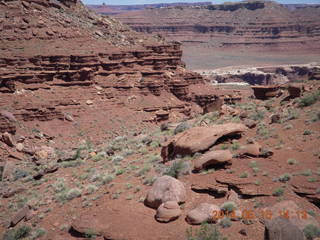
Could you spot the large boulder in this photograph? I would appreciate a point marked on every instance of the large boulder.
(293, 212)
(204, 212)
(218, 158)
(198, 139)
(165, 189)
(281, 228)
(168, 211)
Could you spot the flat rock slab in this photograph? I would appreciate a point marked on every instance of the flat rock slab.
(198, 139)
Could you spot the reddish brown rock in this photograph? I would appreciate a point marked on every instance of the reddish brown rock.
(7, 138)
(213, 158)
(266, 92)
(198, 139)
(165, 189)
(204, 212)
(168, 211)
(295, 90)
(294, 212)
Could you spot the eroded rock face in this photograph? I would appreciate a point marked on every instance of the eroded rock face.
(218, 158)
(204, 212)
(230, 24)
(198, 139)
(165, 189)
(68, 75)
(266, 92)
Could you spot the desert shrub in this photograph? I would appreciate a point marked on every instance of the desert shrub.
(224, 147)
(257, 115)
(263, 130)
(143, 171)
(244, 175)
(19, 173)
(288, 126)
(307, 132)
(91, 189)
(39, 233)
(284, 178)
(278, 192)
(290, 114)
(253, 164)
(59, 185)
(225, 223)
(206, 232)
(315, 117)
(73, 193)
(291, 161)
(181, 127)
(311, 231)
(149, 181)
(106, 179)
(311, 213)
(228, 206)
(117, 158)
(18, 233)
(120, 171)
(307, 172)
(176, 169)
(235, 146)
(309, 99)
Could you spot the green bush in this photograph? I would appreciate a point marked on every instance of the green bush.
(225, 223)
(311, 231)
(73, 193)
(181, 128)
(18, 233)
(284, 177)
(291, 161)
(176, 169)
(206, 232)
(309, 99)
(228, 207)
(278, 192)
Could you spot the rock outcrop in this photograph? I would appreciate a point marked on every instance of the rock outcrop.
(61, 61)
(198, 139)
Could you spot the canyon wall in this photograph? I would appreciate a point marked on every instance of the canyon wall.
(230, 25)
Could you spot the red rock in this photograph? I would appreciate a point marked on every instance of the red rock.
(265, 92)
(198, 139)
(204, 212)
(165, 189)
(168, 211)
(216, 157)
